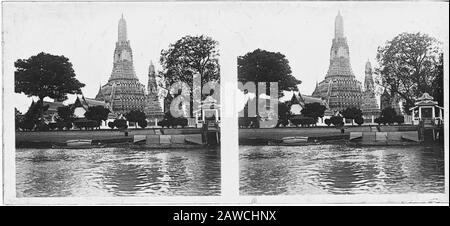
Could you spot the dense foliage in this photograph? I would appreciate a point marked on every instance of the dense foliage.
(169, 121)
(97, 113)
(302, 120)
(46, 75)
(389, 116)
(313, 110)
(86, 124)
(337, 120)
(135, 116)
(352, 113)
(409, 65)
(264, 66)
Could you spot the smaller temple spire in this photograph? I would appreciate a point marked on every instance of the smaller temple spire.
(368, 67)
(339, 26)
(151, 67)
(151, 86)
(122, 30)
(368, 80)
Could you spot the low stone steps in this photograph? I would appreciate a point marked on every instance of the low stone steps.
(384, 136)
(168, 139)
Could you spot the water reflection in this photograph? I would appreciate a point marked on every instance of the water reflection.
(116, 172)
(339, 169)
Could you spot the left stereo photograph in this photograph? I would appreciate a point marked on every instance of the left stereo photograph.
(112, 99)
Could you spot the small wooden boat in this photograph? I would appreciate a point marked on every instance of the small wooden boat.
(78, 147)
(294, 140)
(77, 143)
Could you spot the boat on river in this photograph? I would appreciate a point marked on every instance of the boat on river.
(294, 140)
(78, 143)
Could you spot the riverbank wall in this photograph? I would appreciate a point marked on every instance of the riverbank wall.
(50, 139)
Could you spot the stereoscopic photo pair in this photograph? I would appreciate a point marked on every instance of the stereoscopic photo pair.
(127, 100)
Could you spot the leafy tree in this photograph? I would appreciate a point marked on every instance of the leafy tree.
(111, 125)
(352, 113)
(170, 121)
(264, 66)
(359, 121)
(313, 110)
(65, 113)
(283, 114)
(86, 124)
(283, 110)
(302, 120)
(399, 119)
(45, 75)
(42, 127)
(135, 116)
(34, 114)
(17, 113)
(120, 123)
(328, 122)
(143, 123)
(18, 118)
(337, 120)
(97, 113)
(438, 83)
(27, 125)
(410, 65)
(188, 56)
(167, 101)
(389, 116)
(379, 120)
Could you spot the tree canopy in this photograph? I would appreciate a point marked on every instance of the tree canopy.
(389, 116)
(135, 116)
(283, 111)
(409, 65)
(352, 113)
(314, 110)
(188, 56)
(33, 111)
(65, 113)
(264, 66)
(438, 83)
(46, 75)
(97, 113)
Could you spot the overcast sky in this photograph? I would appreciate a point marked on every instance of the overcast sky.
(86, 33)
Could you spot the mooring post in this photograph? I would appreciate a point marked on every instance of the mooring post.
(205, 133)
(420, 130)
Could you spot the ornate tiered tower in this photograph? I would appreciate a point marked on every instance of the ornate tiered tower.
(339, 88)
(152, 105)
(123, 91)
(369, 105)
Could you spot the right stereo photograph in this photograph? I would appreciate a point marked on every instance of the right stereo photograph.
(348, 101)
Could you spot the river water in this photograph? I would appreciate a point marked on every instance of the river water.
(340, 169)
(116, 172)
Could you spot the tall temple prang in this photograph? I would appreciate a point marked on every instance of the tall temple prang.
(339, 88)
(123, 91)
(369, 105)
(153, 108)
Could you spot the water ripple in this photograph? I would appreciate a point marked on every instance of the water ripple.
(116, 172)
(339, 169)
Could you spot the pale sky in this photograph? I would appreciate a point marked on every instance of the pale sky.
(86, 33)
